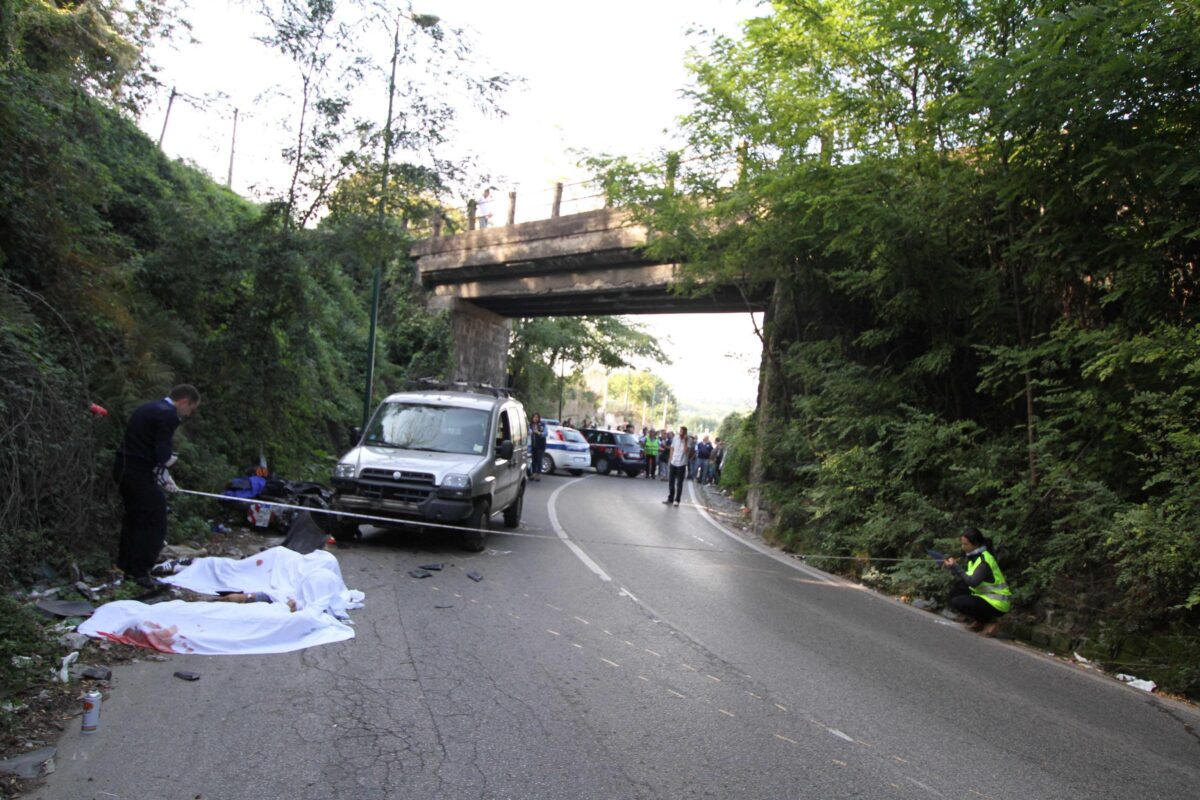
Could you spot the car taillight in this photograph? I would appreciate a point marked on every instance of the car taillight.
(620, 453)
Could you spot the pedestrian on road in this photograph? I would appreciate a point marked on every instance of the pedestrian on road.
(141, 472)
(981, 592)
(681, 446)
(704, 452)
(651, 449)
(537, 436)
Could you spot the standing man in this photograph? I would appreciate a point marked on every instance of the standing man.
(718, 459)
(537, 438)
(651, 450)
(485, 209)
(704, 452)
(678, 459)
(141, 474)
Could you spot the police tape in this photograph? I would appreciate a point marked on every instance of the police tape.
(350, 514)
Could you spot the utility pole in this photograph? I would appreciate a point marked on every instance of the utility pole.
(167, 116)
(232, 147)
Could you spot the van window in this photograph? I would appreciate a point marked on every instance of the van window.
(504, 431)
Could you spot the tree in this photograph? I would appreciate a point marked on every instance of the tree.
(544, 352)
(979, 223)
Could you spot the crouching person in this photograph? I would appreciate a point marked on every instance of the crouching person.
(981, 593)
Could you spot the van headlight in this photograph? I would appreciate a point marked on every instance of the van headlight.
(343, 470)
(455, 485)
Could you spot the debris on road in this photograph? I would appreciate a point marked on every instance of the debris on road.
(29, 765)
(419, 573)
(443, 605)
(1137, 683)
(183, 675)
(435, 567)
(65, 608)
(96, 673)
(475, 576)
(64, 671)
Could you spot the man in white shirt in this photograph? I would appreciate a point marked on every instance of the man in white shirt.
(678, 459)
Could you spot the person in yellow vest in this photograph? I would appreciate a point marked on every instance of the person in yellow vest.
(981, 592)
(650, 448)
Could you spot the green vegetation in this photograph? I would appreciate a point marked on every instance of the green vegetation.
(547, 356)
(980, 225)
(122, 273)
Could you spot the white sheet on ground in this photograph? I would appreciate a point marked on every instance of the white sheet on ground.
(314, 581)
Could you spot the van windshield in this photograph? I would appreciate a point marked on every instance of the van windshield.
(440, 429)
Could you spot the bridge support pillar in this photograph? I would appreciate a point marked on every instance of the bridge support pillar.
(480, 341)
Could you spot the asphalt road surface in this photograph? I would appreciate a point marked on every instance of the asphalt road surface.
(618, 648)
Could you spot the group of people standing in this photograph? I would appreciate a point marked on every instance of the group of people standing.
(701, 459)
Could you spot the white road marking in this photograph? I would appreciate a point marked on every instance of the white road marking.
(562, 534)
(677, 694)
(712, 677)
(584, 621)
(786, 739)
(612, 663)
(726, 713)
(839, 734)
(929, 789)
(553, 633)
(756, 546)
(651, 652)
(781, 708)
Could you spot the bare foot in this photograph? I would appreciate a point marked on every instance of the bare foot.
(989, 629)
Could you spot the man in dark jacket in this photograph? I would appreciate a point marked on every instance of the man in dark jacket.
(141, 474)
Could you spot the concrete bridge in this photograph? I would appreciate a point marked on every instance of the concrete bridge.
(585, 264)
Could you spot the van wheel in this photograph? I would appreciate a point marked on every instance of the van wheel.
(602, 465)
(475, 537)
(547, 464)
(512, 514)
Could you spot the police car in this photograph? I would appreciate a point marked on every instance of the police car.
(565, 449)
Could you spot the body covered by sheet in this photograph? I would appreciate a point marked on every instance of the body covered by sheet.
(313, 581)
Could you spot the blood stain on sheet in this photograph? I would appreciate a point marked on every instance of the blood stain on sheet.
(258, 563)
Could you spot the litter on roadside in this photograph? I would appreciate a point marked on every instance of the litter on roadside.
(1137, 683)
(65, 608)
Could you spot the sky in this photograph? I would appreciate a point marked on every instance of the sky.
(595, 79)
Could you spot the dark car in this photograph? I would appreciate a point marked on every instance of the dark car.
(614, 450)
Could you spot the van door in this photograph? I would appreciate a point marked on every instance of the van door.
(508, 471)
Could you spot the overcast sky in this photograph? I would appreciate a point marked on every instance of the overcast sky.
(597, 78)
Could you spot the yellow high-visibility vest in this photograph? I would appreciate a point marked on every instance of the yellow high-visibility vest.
(997, 592)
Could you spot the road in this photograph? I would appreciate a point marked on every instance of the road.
(619, 648)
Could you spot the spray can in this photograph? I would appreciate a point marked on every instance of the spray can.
(91, 711)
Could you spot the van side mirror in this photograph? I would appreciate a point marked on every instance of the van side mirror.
(505, 449)
(355, 436)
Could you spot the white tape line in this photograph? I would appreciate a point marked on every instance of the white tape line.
(562, 534)
(791, 562)
(350, 514)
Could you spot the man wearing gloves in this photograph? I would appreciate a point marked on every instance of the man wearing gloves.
(141, 473)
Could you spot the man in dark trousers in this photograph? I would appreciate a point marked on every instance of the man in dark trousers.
(141, 474)
(677, 457)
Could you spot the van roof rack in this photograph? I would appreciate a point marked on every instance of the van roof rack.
(433, 384)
